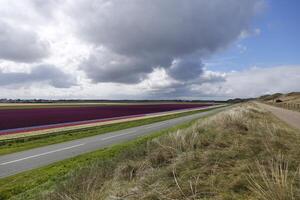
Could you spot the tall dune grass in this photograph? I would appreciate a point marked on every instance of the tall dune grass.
(274, 181)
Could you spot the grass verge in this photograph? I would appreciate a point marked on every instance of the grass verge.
(21, 144)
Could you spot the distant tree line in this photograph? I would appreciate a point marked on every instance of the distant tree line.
(101, 101)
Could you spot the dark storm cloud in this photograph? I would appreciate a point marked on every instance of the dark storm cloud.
(155, 33)
(186, 69)
(48, 74)
(108, 67)
(20, 45)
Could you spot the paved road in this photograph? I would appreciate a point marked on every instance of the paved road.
(22, 161)
(290, 117)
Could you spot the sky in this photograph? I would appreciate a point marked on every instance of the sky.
(141, 49)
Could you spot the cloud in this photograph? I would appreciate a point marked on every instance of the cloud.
(160, 85)
(253, 83)
(143, 35)
(46, 8)
(47, 74)
(185, 69)
(21, 45)
(248, 83)
(250, 33)
(106, 66)
(130, 49)
(159, 81)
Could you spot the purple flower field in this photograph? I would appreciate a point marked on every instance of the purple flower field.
(22, 118)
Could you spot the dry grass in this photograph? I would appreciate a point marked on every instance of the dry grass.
(232, 155)
(274, 180)
(289, 101)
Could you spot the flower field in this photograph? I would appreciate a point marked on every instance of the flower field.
(20, 120)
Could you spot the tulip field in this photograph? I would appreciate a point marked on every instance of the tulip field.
(14, 120)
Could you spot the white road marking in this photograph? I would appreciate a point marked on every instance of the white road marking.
(163, 123)
(114, 136)
(148, 126)
(157, 125)
(42, 154)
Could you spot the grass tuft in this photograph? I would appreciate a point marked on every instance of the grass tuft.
(274, 181)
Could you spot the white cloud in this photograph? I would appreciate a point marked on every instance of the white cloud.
(242, 48)
(254, 82)
(248, 83)
(249, 33)
(158, 81)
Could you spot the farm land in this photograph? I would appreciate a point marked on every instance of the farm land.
(28, 138)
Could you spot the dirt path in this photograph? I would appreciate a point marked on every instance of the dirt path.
(290, 117)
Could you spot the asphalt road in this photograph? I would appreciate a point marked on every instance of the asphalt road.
(23, 161)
